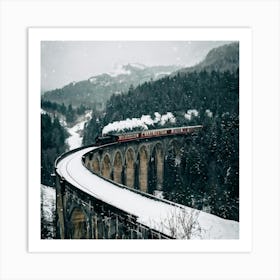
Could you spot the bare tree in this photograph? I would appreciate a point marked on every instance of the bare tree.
(182, 224)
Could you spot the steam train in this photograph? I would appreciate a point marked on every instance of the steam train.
(112, 138)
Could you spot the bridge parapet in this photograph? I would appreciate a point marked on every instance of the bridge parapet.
(125, 165)
(82, 216)
(138, 164)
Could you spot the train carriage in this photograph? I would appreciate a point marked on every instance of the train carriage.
(111, 138)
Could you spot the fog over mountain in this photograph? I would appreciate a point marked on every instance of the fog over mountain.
(223, 58)
(63, 62)
(96, 90)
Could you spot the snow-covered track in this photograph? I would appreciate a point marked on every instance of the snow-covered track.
(141, 208)
(71, 170)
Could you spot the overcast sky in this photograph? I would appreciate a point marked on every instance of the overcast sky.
(63, 62)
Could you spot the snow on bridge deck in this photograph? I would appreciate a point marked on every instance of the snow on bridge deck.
(150, 212)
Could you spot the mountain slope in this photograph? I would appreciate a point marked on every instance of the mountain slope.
(97, 89)
(223, 58)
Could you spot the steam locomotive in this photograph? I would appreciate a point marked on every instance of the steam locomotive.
(112, 138)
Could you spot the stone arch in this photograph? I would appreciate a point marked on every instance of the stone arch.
(156, 168)
(129, 167)
(96, 165)
(143, 169)
(106, 167)
(118, 167)
(78, 224)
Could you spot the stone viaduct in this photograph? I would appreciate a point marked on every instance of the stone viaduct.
(82, 216)
(137, 165)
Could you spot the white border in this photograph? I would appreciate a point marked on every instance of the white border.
(243, 35)
(263, 16)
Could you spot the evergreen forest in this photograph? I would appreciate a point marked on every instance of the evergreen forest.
(207, 175)
(53, 137)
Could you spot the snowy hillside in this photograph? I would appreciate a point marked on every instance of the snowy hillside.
(96, 90)
(189, 223)
(223, 58)
(48, 212)
(48, 193)
(75, 139)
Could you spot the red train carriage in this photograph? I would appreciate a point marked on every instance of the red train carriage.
(128, 136)
(105, 139)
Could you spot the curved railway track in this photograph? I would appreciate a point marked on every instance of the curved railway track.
(150, 211)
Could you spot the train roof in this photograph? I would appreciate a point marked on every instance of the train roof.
(157, 129)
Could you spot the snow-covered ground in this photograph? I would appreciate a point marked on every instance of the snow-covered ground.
(48, 210)
(48, 193)
(119, 70)
(162, 74)
(75, 138)
(156, 214)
